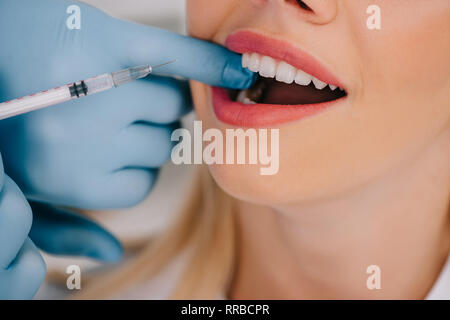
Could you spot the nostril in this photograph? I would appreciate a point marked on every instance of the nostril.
(315, 11)
(300, 3)
(303, 5)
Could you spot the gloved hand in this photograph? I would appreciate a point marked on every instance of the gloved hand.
(102, 151)
(22, 268)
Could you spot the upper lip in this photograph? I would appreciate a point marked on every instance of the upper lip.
(247, 41)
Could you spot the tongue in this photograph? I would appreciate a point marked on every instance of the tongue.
(274, 92)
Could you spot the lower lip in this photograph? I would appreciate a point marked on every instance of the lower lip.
(261, 115)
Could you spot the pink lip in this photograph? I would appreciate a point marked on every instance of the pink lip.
(260, 115)
(264, 115)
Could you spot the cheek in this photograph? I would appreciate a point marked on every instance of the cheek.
(405, 73)
(410, 54)
(205, 17)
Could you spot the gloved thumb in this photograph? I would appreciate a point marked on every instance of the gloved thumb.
(195, 59)
(62, 232)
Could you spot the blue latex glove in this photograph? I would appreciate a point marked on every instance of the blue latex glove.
(102, 151)
(22, 268)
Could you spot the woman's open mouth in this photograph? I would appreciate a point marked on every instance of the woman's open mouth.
(282, 84)
(291, 84)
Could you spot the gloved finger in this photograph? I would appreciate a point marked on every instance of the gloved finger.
(22, 279)
(15, 221)
(59, 231)
(144, 146)
(154, 99)
(195, 59)
(2, 173)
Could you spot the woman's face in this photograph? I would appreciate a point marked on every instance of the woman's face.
(396, 81)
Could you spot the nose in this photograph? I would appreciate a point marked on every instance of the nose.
(313, 11)
(316, 11)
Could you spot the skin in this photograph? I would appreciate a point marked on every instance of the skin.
(364, 183)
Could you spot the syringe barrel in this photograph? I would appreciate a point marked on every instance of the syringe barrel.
(99, 84)
(34, 102)
(72, 91)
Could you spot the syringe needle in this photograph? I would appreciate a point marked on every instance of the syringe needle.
(163, 64)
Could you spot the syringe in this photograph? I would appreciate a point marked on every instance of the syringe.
(74, 90)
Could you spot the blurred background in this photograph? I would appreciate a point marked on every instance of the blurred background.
(168, 14)
(142, 222)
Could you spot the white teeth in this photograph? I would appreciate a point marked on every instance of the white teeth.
(254, 62)
(319, 84)
(248, 101)
(285, 73)
(302, 78)
(268, 67)
(245, 60)
(243, 98)
(282, 71)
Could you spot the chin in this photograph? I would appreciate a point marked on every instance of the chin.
(290, 187)
(245, 183)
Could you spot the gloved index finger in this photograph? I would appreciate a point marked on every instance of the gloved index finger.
(195, 59)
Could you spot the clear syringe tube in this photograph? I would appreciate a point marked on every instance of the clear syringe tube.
(72, 91)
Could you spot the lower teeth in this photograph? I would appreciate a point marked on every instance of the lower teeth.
(243, 98)
(252, 95)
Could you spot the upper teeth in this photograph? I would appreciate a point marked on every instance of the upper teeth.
(283, 72)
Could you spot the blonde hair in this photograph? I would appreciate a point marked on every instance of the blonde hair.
(206, 226)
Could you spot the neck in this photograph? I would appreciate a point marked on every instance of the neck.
(400, 223)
